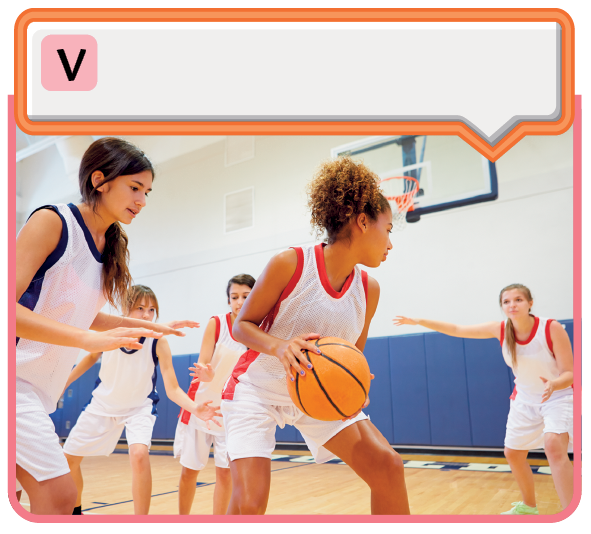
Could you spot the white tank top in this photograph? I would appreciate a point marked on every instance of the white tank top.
(534, 359)
(127, 381)
(308, 304)
(225, 356)
(68, 288)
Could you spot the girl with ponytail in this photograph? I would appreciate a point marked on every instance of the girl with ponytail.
(71, 260)
(539, 352)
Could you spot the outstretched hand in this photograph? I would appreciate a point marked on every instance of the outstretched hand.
(206, 413)
(202, 373)
(116, 338)
(400, 320)
(172, 328)
(548, 390)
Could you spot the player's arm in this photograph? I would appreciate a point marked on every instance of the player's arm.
(373, 297)
(104, 321)
(263, 297)
(564, 360)
(85, 364)
(174, 392)
(202, 370)
(475, 331)
(35, 242)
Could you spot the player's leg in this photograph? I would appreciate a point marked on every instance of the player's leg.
(250, 440)
(223, 490)
(525, 427)
(223, 477)
(138, 430)
(523, 475)
(251, 484)
(187, 487)
(556, 448)
(76, 472)
(55, 496)
(558, 431)
(363, 448)
(42, 469)
(92, 435)
(19, 491)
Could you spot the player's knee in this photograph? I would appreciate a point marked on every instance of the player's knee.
(554, 447)
(386, 466)
(189, 475)
(251, 506)
(139, 456)
(64, 500)
(223, 475)
(511, 454)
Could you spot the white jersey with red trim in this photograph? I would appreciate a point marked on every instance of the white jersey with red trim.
(535, 358)
(226, 354)
(308, 304)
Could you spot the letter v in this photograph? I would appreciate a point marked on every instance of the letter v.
(71, 75)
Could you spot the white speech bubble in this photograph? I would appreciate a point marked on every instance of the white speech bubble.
(489, 76)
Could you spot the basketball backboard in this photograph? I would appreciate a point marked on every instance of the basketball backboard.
(450, 172)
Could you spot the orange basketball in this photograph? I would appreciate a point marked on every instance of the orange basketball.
(337, 385)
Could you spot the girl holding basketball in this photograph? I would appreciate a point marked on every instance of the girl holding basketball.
(303, 294)
(193, 439)
(72, 259)
(125, 397)
(539, 352)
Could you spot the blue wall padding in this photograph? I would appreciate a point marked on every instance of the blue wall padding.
(429, 389)
(488, 391)
(448, 391)
(410, 397)
(380, 395)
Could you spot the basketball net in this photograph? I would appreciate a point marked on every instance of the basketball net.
(400, 191)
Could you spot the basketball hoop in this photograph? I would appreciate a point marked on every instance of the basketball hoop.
(402, 202)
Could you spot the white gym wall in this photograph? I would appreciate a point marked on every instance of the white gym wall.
(449, 266)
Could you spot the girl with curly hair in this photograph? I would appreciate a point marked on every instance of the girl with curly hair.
(305, 293)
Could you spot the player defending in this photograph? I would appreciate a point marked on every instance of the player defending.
(539, 352)
(193, 440)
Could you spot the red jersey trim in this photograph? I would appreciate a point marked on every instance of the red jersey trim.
(184, 414)
(321, 266)
(293, 282)
(549, 337)
(534, 330)
(365, 282)
(502, 333)
(218, 326)
(514, 394)
(229, 321)
(241, 367)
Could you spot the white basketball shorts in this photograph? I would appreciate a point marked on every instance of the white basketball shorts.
(38, 449)
(97, 435)
(527, 424)
(250, 429)
(192, 446)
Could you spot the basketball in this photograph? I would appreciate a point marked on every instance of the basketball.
(337, 385)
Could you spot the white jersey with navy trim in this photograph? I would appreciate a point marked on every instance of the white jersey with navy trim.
(535, 358)
(225, 356)
(308, 304)
(68, 288)
(127, 381)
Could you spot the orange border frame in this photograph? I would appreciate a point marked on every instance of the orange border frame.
(298, 128)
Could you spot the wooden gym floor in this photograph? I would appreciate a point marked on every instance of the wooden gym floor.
(299, 486)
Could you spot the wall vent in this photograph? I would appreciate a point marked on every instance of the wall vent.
(239, 148)
(239, 210)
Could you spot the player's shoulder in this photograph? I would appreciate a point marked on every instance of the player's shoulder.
(45, 220)
(284, 264)
(373, 286)
(557, 329)
(162, 345)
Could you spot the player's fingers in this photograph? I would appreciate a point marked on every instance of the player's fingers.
(217, 422)
(195, 381)
(287, 368)
(130, 342)
(371, 376)
(307, 346)
(304, 359)
(293, 353)
(311, 335)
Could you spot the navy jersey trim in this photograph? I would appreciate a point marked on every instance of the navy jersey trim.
(132, 351)
(31, 296)
(89, 241)
(154, 394)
